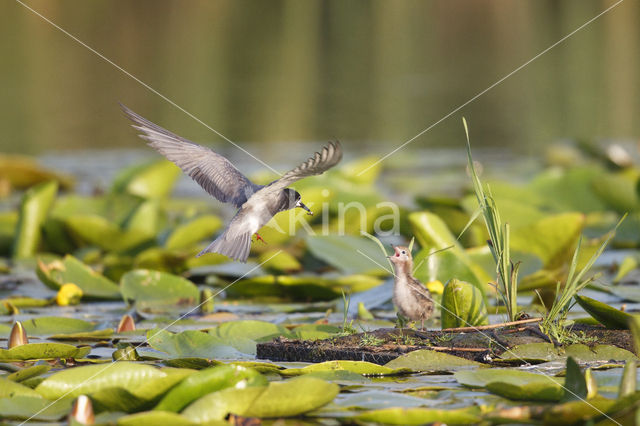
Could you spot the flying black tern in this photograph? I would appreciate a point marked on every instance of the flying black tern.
(257, 204)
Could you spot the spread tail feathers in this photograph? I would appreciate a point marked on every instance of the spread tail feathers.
(236, 247)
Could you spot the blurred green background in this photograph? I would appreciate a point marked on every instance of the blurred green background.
(371, 73)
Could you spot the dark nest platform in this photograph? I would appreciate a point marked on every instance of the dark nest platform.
(383, 345)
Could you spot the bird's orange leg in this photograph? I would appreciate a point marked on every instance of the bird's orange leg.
(259, 238)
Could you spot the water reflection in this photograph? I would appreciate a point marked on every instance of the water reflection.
(368, 72)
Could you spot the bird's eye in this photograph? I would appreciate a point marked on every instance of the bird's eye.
(403, 252)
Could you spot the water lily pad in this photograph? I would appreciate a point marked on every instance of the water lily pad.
(28, 372)
(427, 360)
(582, 353)
(102, 334)
(150, 180)
(43, 351)
(481, 378)
(71, 270)
(618, 191)
(218, 405)
(420, 416)
(192, 343)
(192, 232)
(315, 331)
(359, 367)
(462, 305)
(158, 290)
(33, 407)
(206, 381)
(24, 172)
(9, 388)
(535, 391)
(552, 239)
(605, 314)
(278, 399)
(101, 232)
(47, 326)
(349, 254)
(279, 261)
(92, 378)
(250, 329)
(36, 203)
(153, 418)
(432, 234)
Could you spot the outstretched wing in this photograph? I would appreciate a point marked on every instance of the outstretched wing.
(322, 161)
(212, 171)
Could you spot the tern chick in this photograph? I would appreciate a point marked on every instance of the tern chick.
(257, 204)
(412, 299)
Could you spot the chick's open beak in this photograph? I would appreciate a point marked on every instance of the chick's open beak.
(302, 206)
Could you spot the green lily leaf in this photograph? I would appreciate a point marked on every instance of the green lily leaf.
(43, 351)
(582, 353)
(251, 329)
(618, 191)
(46, 326)
(427, 360)
(99, 231)
(462, 305)
(156, 290)
(141, 397)
(92, 378)
(349, 254)
(432, 234)
(192, 232)
(71, 270)
(575, 385)
(192, 343)
(569, 190)
(28, 372)
(604, 314)
(153, 418)
(9, 388)
(36, 203)
(481, 378)
(207, 381)
(420, 416)
(359, 367)
(34, 407)
(535, 391)
(103, 334)
(278, 399)
(151, 180)
(279, 261)
(552, 239)
(218, 405)
(24, 172)
(315, 331)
